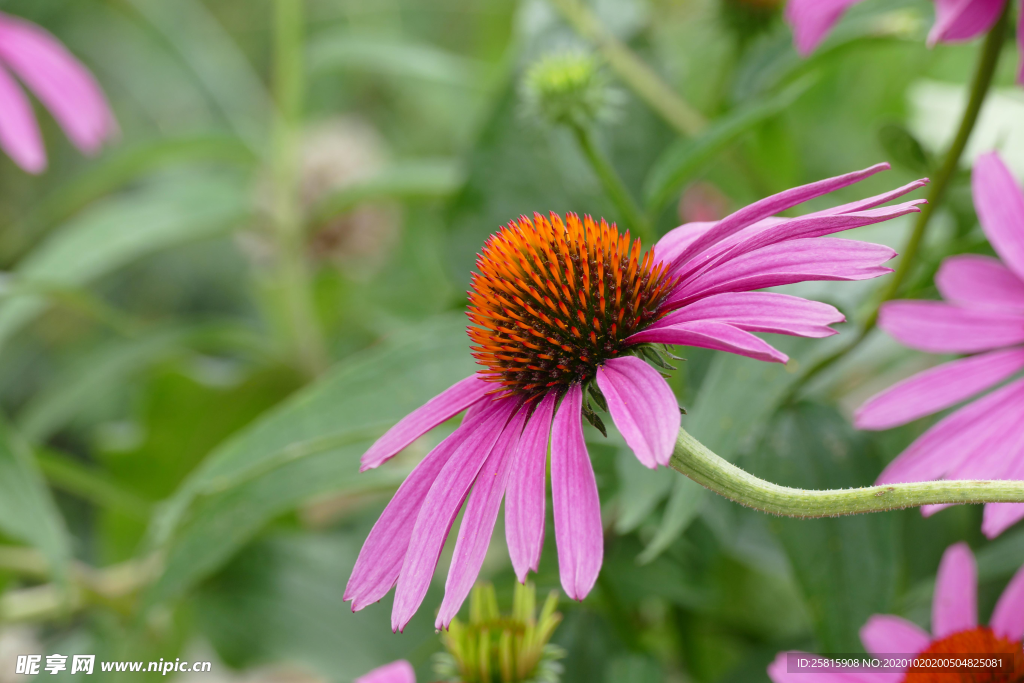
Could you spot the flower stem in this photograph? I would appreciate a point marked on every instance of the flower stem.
(694, 460)
(632, 70)
(980, 85)
(613, 184)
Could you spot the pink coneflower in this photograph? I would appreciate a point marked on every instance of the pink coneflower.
(955, 20)
(983, 314)
(60, 82)
(955, 630)
(565, 309)
(395, 672)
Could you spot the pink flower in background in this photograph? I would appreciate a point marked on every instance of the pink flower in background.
(955, 20)
(983, 314)
(955, 630)
(395, 672)
(60, 82)
(563, 310)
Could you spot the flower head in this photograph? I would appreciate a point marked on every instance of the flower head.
(982, 315)
(565, 310)
(955, 630)
(60, 82)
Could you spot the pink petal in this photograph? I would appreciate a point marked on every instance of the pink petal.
(811, 21)
(971, 281)
(955, 603)
(395, 672)
(1008, 616)
(675, 241)
(578, 531)
(768, 207)
(888, 634)
(642, 406)
(963, 19)
(1001, 516)
(954, 438)
(778, 672)
(711, 334)
(439, 509)
(59, 80)
(525, 499)
(1000, 206)
(19, 132)
(760, 312)
(937, 389)
(478, 521)
(872, 202)
(441, 408)
(820, 258)
(937, 327)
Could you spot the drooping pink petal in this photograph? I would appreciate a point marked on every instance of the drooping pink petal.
(642, 406)
(820, 258)
(946, 444)
(19, 132)
(711, 334)
(1008, 616)
(1000, 206)
(441, 408)
(395, 672)
(577, 508)
(888, 634)
(525, 499)
(478, 521)
(872, 202)
(59, 80)
(769, 206)
(971, 280)
(760, 312)
(963, 19)
(439, 509)
(811, 21)
(779, 672)
(955, 603)
(937, 389)
(938, 327)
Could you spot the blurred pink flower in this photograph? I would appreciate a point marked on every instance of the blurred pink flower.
(60, 82)
(557, 308)
(395, 672)
(955, 630)
(955, 20)
(983, 314)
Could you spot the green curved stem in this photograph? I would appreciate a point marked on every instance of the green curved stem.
(711, 471)
(980, 85)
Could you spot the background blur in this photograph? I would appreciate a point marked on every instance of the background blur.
(203, 328)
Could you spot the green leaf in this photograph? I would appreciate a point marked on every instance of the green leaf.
(686, 157)
(903, 148)
(641, 488)
(111, 234)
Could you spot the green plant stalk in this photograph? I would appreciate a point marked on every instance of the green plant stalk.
(711, 471)
(613, 184)
(632, 70)
(980, 85)
(293, 275)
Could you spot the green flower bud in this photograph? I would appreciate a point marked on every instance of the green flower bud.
(568, 88)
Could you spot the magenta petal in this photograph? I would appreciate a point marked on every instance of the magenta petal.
(760, 312)
(955, 603)
(577, 508)
(439, 509)
(888, 634)
(811, 21)
(1000, 206)
(395, 672)
(642, 406)
(972, 280)
(19, 132)
(59, 80)
(711, 334)
(1008, 616)
(525, 499)
(1001, 516)
(675, 241)
(937, 389)
(478, 521)
(441, 408)
(872, 202)
(937, 327)
(963, 19)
